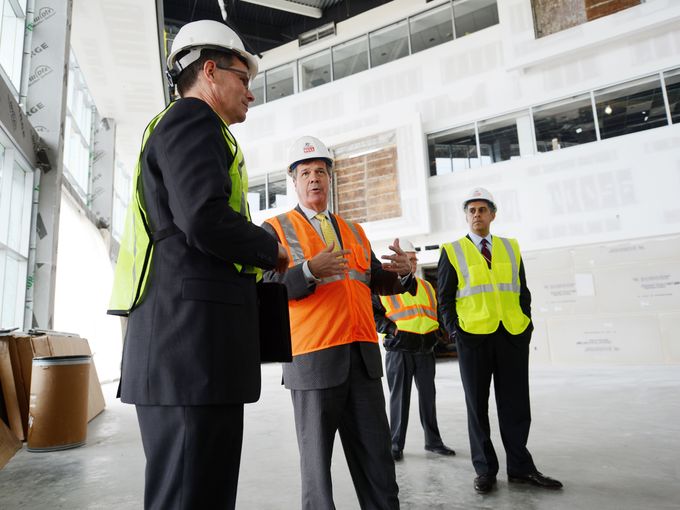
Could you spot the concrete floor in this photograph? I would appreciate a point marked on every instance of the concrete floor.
(610, 434)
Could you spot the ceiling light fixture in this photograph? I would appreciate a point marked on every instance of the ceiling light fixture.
(285, 5)
(579, 130)
(608, 110)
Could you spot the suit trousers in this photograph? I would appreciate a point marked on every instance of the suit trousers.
(193, 454)
(355, 409)
(402, 368)
(504, 357)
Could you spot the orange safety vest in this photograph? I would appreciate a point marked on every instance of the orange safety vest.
(339, 310)
(415, 314)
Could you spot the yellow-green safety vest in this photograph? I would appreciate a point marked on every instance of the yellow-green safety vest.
(486, 297)
(416, 314)
(131, 276)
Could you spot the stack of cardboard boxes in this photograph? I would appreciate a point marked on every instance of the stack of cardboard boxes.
(17, 350)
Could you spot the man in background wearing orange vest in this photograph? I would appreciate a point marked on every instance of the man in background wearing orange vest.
(409, 324)
(486, 308)
(334, 377)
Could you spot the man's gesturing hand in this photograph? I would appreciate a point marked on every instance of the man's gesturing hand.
(399, 262)
(328, 262)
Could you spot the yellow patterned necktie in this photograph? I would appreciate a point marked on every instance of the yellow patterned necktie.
(327, 231)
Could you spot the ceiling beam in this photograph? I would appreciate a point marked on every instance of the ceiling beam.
(285, 5)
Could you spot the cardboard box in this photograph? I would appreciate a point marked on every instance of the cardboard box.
(24, 347)
(9, 444)
(9, 390)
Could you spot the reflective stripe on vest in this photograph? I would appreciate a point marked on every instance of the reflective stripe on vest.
(339, 309)
(485, 297)
(298, 256)
(137, 243)
(416, 314)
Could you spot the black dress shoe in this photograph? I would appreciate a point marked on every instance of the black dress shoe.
(484, 483)
(441, 450)
(536, 478)
(397, 455)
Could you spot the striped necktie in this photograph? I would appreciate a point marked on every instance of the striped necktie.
(327, 231)
(486, 253)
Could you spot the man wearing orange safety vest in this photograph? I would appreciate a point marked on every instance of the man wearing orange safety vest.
(486, 308)
(409, 324)
(334, 377)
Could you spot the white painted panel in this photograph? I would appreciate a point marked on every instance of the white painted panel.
(589, 339)
(625, 252)
(638, 287)
(539, 348)
(669, 324)
(557, 293)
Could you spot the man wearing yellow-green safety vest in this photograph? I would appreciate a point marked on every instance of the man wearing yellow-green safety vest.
(485, 306)
(409, 324)
(186, 278)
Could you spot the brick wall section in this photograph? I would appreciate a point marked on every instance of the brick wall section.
(367, 187)
(551, 16)
(599, 8)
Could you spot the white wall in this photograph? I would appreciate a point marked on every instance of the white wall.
(83, 288)
(571, 210)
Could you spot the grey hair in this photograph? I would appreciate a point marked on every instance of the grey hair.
(492, 206)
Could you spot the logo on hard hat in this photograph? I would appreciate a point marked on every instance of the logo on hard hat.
(476, 193)
(308, 148)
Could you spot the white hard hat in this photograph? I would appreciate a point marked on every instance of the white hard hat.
(308, 147)
(479, 194)
(202, 34)
(406, 245)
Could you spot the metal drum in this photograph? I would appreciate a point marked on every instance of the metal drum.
(57, 415)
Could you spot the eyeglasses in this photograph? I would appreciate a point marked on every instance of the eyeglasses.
(243, 75)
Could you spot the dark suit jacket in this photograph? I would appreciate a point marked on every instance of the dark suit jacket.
(447, 285)
(327, 368)
(193, 340)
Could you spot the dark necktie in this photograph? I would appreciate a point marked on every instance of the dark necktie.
(486, 253)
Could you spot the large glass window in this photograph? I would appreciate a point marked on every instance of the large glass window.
(564, 123)
(431, 28)
(267, 191)
(472, 15)
(630, 107)
(277, 195)
(453, 151)
(315, 70)
(12, 39)
(16, 185)
(257, 193)
(122, 192)
(389, 43)
(78, 136)
(350, 57)
(280, 82)
(257, 88)
(386, 44)
(672, 80)
(498, 139)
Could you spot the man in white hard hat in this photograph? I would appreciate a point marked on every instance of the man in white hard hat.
(186, 277)
(410, 324)
(486, 307)
(335, 374)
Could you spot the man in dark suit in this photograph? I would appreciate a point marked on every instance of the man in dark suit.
(486, 307)
(191, 353)
(335, 374)
(409, 324)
